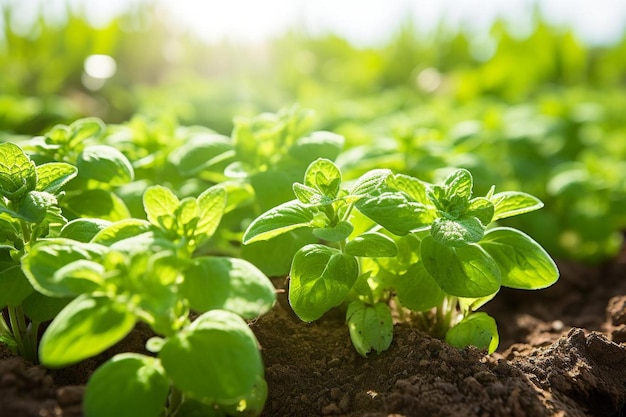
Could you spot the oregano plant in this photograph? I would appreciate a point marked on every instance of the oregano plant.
(29, 209)
(431, 251)
(147, 270)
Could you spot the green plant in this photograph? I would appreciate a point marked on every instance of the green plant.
(410, 244)
(137, 270)
(29, 210)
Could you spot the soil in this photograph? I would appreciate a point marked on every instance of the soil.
(562, 353)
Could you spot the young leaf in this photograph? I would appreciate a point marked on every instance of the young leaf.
(457, 233)
(466, 271)
(143, 392)
(278, 220)
(459, 183)
(186, 216)
(211, 205)
(324, 176)
(227, 283)
(524, 264)
(17, 172)
(417, 290)
(338, 233)
(371, 326)
(320, 279)
(372, 245)
(215, 359)
(105, 164)
(395, 212)
(478, 329)
(512, 203)
(160, 203)
(86, 326)
(54, 175)
(83, 230)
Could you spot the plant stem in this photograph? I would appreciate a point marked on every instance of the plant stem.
(175, 401)
(25, 336)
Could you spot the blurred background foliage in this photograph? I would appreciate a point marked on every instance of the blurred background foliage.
(542, 113)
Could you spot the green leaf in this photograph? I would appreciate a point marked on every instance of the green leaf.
(466, 271)
(160, 205)
(320, 144)
(459, 183)
(371, 326)
(83, 129)
(524, 264)
(34, 206)
(201, 152)
(83, 230)
(105, 164)
(320, 279)
(371, 183)
(187, 217)
(337, 233)
(215, 359)
(278, 220)
(458, 232)
(41, 308)
(86, 326)
(17, 172)
(229, 284)
(273, 257)
(137, 383)
(478, 329)
(417, 290)
(512, 203)
(211, 207)
(324, 176)
(96, 203)
(481, 208)
(54, 175)
(14, 287)
(48, 267)
(395, 212)
(412, 186)
(372, 245)
(308, 195)
(120, 230)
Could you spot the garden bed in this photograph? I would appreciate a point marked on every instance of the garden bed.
(559, 355)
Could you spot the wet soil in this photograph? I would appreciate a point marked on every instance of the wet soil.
(562, 353)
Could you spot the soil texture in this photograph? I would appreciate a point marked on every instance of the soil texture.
(562, 353)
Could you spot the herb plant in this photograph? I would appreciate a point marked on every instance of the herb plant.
(430, 249)
(29, 210)
(134, 270)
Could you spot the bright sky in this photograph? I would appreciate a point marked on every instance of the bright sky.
(364, 21)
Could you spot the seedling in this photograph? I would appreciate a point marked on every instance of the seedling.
(423, 247)
(137, 270)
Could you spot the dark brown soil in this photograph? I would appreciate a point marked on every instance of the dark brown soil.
(562, 353)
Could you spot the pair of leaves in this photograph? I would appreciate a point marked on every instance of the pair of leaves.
(214, 360)
(505, 256)
(190, 217)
